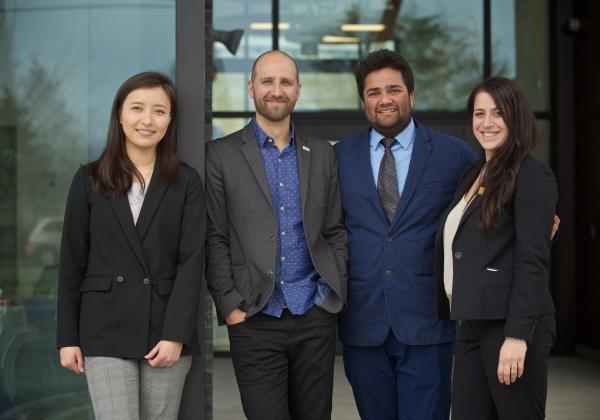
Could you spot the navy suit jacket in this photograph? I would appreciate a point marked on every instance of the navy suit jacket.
(390, 267)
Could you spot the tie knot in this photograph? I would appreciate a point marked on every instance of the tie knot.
(388, 142)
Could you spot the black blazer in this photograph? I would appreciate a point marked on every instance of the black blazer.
(242, 227)
(503, 275)
(124, 287)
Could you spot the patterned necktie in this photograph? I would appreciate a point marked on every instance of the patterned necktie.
(387, 181)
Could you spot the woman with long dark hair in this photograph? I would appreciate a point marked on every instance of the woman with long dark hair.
(492, 262)
(131, 260)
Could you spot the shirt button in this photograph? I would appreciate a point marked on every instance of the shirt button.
(281, 184)
(282, 208)
(120, 279)
(389, 239)
(283, 233)
(388, 272)
(146, 280)
(282, 258)
(458, 255)
(282, 282)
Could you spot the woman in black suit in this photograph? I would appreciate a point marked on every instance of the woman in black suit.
(492, 262)
(131, 260)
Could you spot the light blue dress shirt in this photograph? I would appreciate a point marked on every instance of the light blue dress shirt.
(402, 152)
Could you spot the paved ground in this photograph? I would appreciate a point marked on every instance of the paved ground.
(573, 393)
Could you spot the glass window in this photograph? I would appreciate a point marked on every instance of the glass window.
(442, 41)
(234, 52)
(520, 38)
(60, 65)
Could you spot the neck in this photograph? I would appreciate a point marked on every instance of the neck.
(277, 130)
(142, 159)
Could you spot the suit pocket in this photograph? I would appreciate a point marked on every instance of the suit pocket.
(96, 284)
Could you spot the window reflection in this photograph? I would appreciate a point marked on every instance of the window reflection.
(60, 63)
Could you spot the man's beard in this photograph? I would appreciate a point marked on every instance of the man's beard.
(271, 114)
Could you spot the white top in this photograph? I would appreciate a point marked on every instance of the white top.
(450, 228)
(136, 198)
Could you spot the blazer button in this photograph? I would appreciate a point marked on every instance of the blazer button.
(388, 272)
(146, 280)
(389, 239)
(458, 255)
(120, 279)
(273, 238)
(270, 272)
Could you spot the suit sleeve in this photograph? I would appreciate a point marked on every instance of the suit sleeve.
(74, 250)
(534, 206)
(182, 310)
(335, 231)
(219, 277)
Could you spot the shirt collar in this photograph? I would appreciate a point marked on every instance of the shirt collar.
(404, 138)
(261, 136)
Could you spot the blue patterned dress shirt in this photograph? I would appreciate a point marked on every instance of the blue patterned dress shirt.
(297, 284)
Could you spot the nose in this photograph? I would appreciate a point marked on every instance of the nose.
(487, 120)
(147, 118)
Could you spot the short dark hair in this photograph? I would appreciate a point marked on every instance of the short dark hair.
(112, 174)
(383, 59)
(272, 52)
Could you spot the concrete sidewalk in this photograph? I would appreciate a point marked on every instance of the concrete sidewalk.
(573, 391)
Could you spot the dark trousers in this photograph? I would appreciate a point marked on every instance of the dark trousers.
(476, 392)
(397, 381)
(284, 366)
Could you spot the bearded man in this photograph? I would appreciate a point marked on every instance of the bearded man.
(276, 251)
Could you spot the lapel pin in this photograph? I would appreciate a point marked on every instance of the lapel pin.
(306, 148)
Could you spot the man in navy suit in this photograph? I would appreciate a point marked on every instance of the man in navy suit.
(397, 177)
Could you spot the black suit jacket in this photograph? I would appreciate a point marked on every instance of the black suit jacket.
(242, 227)
(124, 287)
(504, 274)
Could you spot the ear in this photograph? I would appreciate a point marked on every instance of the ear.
(250, 89)
(412, 99)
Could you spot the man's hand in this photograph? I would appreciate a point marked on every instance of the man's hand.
(236, 316)
(164, 354)
(72, 359)
(511, 362)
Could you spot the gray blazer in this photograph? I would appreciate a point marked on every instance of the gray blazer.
(242, 228)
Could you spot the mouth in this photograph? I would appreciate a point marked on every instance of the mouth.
(489, 133)
(387, 111)
(145, 132)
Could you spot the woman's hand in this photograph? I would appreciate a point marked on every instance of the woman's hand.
(511, 362)
(164, 354)
(71, 358)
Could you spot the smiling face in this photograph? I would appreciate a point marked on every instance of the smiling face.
(387, 101)
(145, 117)
(489, 127)
(274, 87)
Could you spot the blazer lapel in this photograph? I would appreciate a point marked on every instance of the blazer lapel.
(250, 151)
(154, 194)
(121, 206)
(363, 157)
(303, 153)
(468, 180)
(418, 159)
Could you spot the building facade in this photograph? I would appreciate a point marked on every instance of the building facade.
(61, 62)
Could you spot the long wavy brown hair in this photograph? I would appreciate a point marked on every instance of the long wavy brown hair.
(113, 173)
(501, 171)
